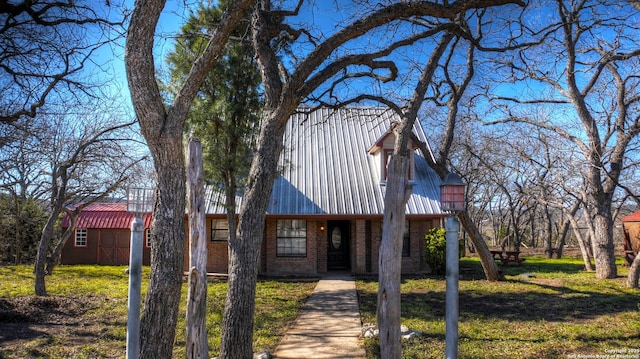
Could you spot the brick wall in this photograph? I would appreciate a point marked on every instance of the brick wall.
(291, 265)
(316, 259)
(358, 249)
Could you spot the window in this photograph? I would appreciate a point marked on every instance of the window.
(219, 230)
(387, 153)
(81, 237)
(148, 239)
(291, 238)
(406, 240)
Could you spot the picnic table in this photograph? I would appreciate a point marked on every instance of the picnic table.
(507, 257)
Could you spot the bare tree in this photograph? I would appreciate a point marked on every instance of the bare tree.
(284, 89)
(21, 181)
(84, 157)
(595, 83)
(47, 47)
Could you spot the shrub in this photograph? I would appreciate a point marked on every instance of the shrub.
(435, 246)
(436, 250)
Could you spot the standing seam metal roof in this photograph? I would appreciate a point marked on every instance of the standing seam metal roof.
(327, 170)
(106, 215)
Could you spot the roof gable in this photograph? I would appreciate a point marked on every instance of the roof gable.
(326, 167)
(388, 137)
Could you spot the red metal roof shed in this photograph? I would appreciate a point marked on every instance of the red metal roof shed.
(106, 215)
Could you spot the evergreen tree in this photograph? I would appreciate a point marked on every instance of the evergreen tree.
(225, 114)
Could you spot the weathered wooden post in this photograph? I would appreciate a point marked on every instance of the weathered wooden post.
(196, 341)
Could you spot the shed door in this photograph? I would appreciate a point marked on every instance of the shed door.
(113, 248)
(338, 238)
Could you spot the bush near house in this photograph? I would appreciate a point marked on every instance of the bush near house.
(435, 241)
(435, 244)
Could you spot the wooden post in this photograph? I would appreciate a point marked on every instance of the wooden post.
(196, 341)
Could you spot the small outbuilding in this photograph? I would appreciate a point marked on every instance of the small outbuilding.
(102, 236)
(631, 236)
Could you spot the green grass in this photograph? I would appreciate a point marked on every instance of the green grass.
(546, 308)
(91, 303)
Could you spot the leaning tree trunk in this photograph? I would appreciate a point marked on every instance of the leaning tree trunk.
(584, 248)
(491, 270)
(41, 257)
(244, 251)
(53, 260)
(390, 258)
(634, 273)
(562, 238)
(160, 315)
(60, 180)
(197, 345)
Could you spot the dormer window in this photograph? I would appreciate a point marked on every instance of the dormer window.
(387, 153)
(382, 149)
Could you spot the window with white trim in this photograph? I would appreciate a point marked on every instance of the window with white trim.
(291, 238)
(81, 237)
(219, 230)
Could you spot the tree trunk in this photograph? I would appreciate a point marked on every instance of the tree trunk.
(603, 248)
(244, 251)
(53, 260)
(562, 238)
(634, 273)
(548, 249)
(390, 258)
(584, 248)
(18, 226)
(491, 270)
(160, 314)
(41, 257)
(197, 345)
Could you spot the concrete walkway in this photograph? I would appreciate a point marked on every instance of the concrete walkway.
(328, 326)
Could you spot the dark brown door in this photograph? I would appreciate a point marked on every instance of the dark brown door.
(107, 248)
(338, 245)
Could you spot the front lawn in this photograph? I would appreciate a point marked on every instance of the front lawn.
(547, 308)
(85, 314)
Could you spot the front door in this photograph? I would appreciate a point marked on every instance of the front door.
(338, 244)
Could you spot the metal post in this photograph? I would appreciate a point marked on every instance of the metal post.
(452, 227)
(135, 281)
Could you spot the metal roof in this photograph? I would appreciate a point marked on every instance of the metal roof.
(326, 167)
(633, 217)
(106, 215)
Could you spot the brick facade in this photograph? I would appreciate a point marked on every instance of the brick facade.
(364, 244)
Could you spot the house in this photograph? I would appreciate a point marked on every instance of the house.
(102, 235)
(631, 236)
(326, 208)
